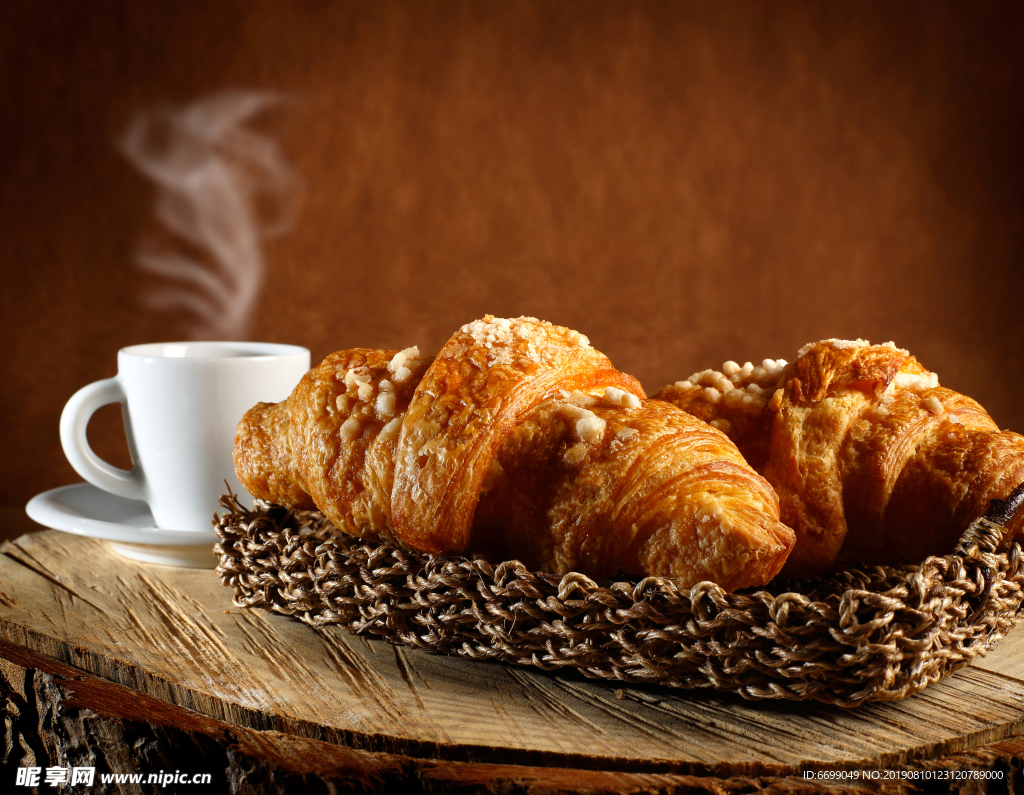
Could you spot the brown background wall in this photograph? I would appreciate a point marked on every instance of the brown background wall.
(684, 183)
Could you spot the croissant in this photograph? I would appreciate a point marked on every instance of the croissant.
(517, 441)
(872, 460)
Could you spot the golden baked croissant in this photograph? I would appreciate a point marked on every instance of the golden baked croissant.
(518, 441)
(872, 460)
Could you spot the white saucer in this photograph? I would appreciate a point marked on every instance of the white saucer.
(128, 525)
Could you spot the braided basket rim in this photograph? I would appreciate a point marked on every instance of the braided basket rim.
(865, 634)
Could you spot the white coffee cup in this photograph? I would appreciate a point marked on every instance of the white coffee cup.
(181, 403)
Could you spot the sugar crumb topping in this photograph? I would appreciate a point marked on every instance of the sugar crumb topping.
(619, 397)
(914, 381)
(491, 331)
(590, 429)
(359, 379)
(487, 329)
(574, 412)
(711, 378)
(744, 372)
(410, 356)
(933, 404)
(385, 405)
(514, 341)
(349, 429)
(847, 344)
(588, 426)
(389, 432)
(575, 454)
(837, 344)
(774, 367)
(747, 387)
(622, 438)
(577, 398)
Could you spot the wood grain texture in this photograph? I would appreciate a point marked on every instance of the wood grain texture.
(174, 635)
(57, 715)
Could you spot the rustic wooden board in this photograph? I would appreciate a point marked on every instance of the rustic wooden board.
(174, 634)
(56, 715)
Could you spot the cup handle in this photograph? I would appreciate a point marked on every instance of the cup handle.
(128, 483)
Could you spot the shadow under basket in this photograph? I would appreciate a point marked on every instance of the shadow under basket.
(878, 633)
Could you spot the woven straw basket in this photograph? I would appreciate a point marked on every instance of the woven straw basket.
(871, 634)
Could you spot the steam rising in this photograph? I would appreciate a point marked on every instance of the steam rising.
(221, 189)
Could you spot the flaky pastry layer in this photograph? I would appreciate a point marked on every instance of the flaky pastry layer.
(518, 441)
(872, 460)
